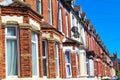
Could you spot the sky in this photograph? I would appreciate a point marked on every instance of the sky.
(105, 16)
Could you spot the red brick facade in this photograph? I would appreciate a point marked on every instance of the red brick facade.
(51, 33)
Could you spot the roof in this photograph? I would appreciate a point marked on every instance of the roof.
(45, 25)
(21, 5)
(71, 41)
(18, 3)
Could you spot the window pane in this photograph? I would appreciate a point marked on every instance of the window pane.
(11, 31)
(49, 16)
(37, 5)
(66, 24)
(44, 54)
(44, 67)
(34, 54)
(49, 12)
(67, 57)
(57, 52)
(43, 47)
(87, 64)
(49, 4)
(34, 59)
(68, 70)
(12, 68)
(57, 60)
(33, 37)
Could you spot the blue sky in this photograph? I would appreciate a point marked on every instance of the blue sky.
(105, 16)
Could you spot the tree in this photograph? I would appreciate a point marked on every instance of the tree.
(118, 72)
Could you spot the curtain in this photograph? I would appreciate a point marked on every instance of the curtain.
(34, 54)
(34, 59)
(12, 58)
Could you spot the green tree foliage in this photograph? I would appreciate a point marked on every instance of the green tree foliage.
(118, 72)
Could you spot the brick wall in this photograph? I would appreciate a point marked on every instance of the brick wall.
(51, 60)
(45, 10)
(69, 25)
(62, 64)
(32, 4)
(2, 52)
(25, 52)
(74, 66)
(1, 0)
(55, 13)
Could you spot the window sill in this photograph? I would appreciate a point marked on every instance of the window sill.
(8, 77)
(35, 76)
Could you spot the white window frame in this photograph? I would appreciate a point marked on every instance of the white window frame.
(45, 57)
(68, 64)
(40, 6)
(36, 43)
(60, 17)
(49, 12)
(12, 38)
(57, 59)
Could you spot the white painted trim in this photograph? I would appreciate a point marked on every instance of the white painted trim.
(34, 23)
(67, 48)
(12, 18)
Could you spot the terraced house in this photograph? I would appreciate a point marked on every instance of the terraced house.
(50, 39)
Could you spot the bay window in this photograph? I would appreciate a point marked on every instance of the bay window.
(11, 35)
(35, 69)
